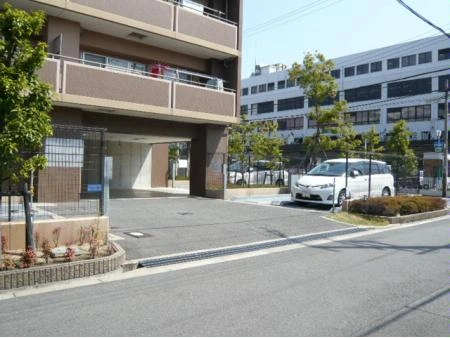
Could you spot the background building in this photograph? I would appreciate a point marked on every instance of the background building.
(150, 72)
(382, 86)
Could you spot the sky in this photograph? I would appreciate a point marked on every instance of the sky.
(332, 27)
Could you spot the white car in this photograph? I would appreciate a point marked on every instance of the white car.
(260, 173)
(318, 185)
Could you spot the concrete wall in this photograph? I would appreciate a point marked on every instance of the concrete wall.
(132, 167)
(70, 32)
(69, 233)
(160, 162)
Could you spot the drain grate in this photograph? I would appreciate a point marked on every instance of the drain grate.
(153, 262)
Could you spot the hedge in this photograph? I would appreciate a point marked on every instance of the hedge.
(396, 205)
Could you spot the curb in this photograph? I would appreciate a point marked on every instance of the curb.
(60, 272)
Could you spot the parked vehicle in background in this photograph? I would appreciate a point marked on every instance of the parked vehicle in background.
(318, 184)
(259, 173)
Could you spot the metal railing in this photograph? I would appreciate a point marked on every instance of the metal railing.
(202, 9)
(170, 73)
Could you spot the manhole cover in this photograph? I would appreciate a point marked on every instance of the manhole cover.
(137, 234)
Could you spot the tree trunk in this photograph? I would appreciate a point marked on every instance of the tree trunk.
(29, 226)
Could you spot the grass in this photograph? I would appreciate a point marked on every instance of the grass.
(359, 219)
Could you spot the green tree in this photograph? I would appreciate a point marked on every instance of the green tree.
(332, 131)
(372, 142)
(24, 100)
(255, 140)
(404, 163)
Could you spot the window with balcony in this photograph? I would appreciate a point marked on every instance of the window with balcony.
(365, 93)
(425, 57)
(444, 54)
(393, 63)
(409, 88)
(409, 60)
(291, 103)
(412, 113)
(376, 67)
(362, 69)
(349, 71)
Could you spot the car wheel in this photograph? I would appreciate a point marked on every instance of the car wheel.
(386, 192)
(341, 198)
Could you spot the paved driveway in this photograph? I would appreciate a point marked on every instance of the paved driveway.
(181, 223)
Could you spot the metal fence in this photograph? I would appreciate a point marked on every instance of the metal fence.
(256, 172)
(368, 178)
(72, 183)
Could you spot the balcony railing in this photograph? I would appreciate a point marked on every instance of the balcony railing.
(166, 88)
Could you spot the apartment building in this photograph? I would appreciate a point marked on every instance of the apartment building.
(382, 86)
(151, 72)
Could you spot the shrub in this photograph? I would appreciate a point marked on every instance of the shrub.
(28, 258)
(396, 205)
(70, 254)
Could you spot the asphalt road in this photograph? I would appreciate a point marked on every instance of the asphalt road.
(180, 224)
(393, 283)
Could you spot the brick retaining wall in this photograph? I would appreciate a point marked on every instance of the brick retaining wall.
(63, 271)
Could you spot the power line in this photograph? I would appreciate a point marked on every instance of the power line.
(284, 16)
(277, 24)
(423, 18)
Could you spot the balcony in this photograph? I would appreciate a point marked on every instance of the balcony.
(172, 95)
(175, 25)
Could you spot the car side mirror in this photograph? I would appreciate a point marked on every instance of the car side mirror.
(354, 173)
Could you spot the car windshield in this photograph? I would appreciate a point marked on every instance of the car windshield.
(328, 169)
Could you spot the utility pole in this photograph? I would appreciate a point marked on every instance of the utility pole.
(445, 150)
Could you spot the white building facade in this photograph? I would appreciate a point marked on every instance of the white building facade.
(381, 86)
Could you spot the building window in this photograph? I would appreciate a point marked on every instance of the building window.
(336, 73)
(364, 117)
(444, 54)
(264, 107)
(362, 69)
(293, 123)
(244, 91)
(409, 60)
(376, 67)
(254, 109)
(441, 110)
(412, 113)
(291, 103)
(363, 93)
(312, 123)
(244, 109)
(393, 63)
(94, 60)
(262, 88)
(281, 84)
(290, 83)
(254, 89)
(424, 57)
(327, 102)
(409, 88)
(270, 86)
(442, 80)
(349, 71)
